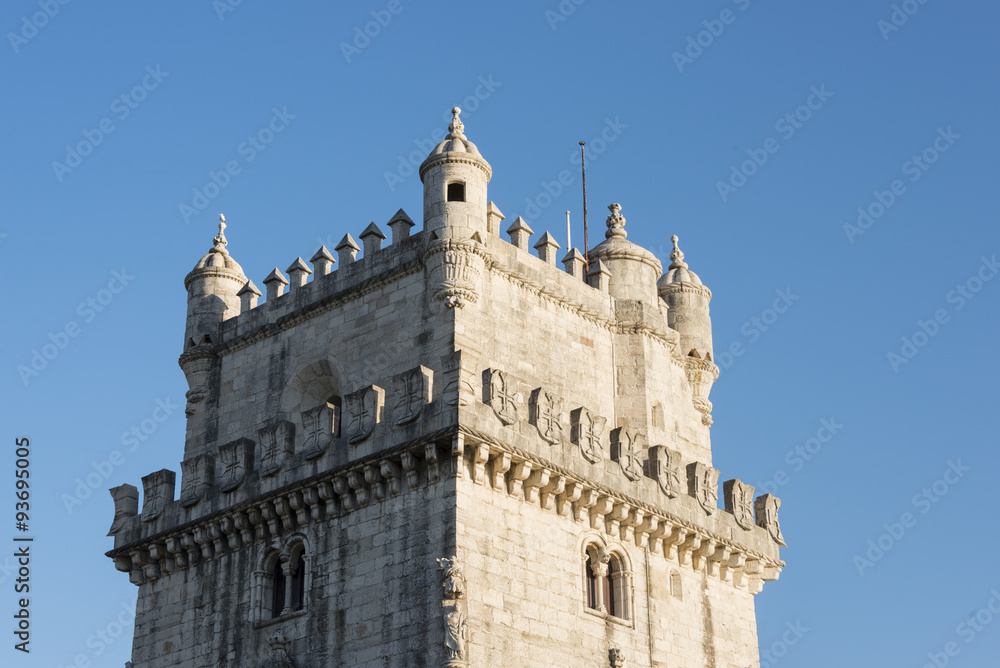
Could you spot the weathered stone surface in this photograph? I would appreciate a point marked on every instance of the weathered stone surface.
(447, 522)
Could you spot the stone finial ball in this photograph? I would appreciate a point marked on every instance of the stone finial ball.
(456, 111)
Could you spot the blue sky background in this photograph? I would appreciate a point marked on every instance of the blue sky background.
(681, 130)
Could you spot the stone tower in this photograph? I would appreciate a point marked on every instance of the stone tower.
(448, 452)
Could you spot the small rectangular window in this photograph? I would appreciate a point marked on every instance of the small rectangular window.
(456, 192)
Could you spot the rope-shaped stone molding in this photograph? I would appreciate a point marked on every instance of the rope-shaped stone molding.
(518, 473)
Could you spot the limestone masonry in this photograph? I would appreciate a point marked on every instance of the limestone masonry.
(448, 452)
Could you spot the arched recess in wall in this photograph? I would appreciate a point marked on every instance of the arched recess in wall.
(316, 384)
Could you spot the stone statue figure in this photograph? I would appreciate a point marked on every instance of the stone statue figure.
(456, 628)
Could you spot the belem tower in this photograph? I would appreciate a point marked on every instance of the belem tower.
(450, 452)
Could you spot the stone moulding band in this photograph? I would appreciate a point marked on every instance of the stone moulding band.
(690, 544)
(339, 491)
(327, 494)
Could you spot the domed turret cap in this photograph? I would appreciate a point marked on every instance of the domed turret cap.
(219, 257)
(455, 147)
(678, 271)
(218, 261)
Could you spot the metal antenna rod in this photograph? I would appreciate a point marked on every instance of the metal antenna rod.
(586, 243)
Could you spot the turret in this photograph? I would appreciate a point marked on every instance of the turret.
(455, 176)
(687, 299)
(213, 287)
(634, 269)
(213, 292)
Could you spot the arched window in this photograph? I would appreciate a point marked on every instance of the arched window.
(298, 584)
(607, 583)
(277, 589)
(281, 586)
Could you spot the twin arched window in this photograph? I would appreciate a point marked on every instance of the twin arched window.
(608, 582)
(281, 586)
(288, 586)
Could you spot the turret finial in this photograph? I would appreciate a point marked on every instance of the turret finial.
(677, 256)
(615, 222)
(220, 238)
(456, 127)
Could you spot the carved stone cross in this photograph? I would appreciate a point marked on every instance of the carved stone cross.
(546, 415)
(626, 449)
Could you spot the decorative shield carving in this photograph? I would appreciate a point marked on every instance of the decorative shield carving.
(276, 441)
(545, 412)
(767, 516)
(365, 411)
(739, 501)
(196, 476)
(665, 468)
(317, 430)
(157, 491)
(703, 485)
(500, 395)
(586, 431)
(236, 459)
(412, 394)
(126, 498)
(626, 449)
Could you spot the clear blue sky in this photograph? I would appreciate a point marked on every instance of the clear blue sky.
(533, 85)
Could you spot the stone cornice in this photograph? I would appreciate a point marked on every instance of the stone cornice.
(671, 288)
(328, 494)
(454, 157)
(508, 469)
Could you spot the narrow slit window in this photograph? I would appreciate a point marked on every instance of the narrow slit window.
(456, 192)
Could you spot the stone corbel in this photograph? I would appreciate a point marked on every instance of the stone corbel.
(480, 456)
(599, 510)
(357, 484)
(343, 491)
(581, 508)
(572, 492)
(373, 476)
(539, 478)
(499, 465)
(518, 474)
(555, 487)
(390, 471)
(409, 462)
